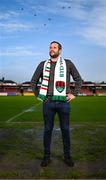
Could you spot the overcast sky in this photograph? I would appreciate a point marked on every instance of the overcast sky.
(28, 26)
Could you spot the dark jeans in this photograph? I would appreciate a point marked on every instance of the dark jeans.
(50, 108)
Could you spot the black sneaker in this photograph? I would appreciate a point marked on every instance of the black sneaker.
(69, 162)
(45, 162)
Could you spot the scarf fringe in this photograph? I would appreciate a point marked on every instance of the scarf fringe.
(41, 97)
(54, 98)
(59, 98)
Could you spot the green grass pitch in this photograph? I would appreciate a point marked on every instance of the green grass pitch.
(21, 140)
(29, 109)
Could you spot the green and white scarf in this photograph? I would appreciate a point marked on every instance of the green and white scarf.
(59, 90)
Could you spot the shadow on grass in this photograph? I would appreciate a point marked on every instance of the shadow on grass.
(21, 152)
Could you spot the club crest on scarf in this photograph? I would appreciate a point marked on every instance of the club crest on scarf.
(60, 85)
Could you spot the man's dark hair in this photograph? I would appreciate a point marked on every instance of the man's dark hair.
(59, 45)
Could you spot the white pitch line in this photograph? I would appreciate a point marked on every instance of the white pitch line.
(10, 119)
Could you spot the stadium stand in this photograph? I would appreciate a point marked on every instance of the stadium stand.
(9, 87)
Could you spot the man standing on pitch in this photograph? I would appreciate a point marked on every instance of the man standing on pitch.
(56, 95)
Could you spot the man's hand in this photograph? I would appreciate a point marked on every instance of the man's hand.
(70, 97)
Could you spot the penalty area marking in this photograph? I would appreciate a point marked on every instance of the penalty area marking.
(23, 112)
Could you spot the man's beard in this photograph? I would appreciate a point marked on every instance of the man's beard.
(55, 55)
